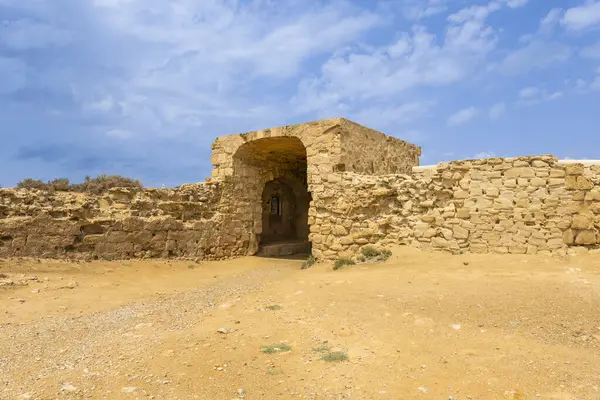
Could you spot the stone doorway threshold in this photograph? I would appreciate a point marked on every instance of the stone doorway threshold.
(284, 248)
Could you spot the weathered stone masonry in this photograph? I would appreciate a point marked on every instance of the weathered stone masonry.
(520, 205)
(333, 183)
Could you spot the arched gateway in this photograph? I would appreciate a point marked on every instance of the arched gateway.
(272, 177)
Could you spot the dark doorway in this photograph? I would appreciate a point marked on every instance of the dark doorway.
(285, 213)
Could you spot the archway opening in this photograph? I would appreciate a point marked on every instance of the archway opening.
(271, 174)
(284, 213)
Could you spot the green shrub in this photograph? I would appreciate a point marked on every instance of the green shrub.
(370, 252)
(61, 184)
(274, 372)
(276, 348)
(310, 261)
(103, 183)
(385, 254)
(335, 356)
(321, 348)
(342, 262)
(29, 183)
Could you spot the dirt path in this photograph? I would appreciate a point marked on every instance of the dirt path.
(420, 326)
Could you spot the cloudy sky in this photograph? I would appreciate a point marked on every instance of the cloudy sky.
(142, 87)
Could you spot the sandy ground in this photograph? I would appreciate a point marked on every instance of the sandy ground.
(419, 326)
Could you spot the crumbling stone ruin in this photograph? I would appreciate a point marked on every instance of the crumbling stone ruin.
(329, 187)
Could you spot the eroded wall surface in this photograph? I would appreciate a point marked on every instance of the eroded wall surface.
(533, 205)
(369, 152)
(183, 222)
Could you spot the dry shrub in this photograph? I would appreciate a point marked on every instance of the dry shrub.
(98, 185)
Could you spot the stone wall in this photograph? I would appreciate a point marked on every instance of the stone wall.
(182, 222)
(369, 152)
(532, 205)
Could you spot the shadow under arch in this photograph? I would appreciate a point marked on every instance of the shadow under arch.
(272, 193)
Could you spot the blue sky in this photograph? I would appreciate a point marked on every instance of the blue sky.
(142, 87)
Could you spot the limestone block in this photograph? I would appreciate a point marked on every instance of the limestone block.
(440, 242)
(578, 182)
(503, 203)
(578, 195)
(557, 173)
(446, 233)
(483, 204)
(593, 195)
(492, 191)
(478, 248)
(583, 221)
(569, 237)
(460, 233)
(316, 238)
(170, 245)
(586, 237)
(539, 164)
(477, 175)
(555, 243)
(117, 236)
(522, 203)
(537, 182)
(429, 233)
(519, 172)
(519, 239)
(326, 229)
(428, 218)
(346, 240)
(574, 169)
(517, 249)
(461, 194)
(463, 213)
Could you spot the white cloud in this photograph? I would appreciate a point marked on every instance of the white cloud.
(539, 49)
(550, 21)
(383, 117)
(529, 92)
(516, 3)
(535, 55)
(497, 110)
(419, 9)
(534, 95)
(415, 59)
(485, 154)
(463, 116)
(171, 75)
(582, 17)
(187, 61)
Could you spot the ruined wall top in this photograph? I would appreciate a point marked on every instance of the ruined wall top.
(332, 145)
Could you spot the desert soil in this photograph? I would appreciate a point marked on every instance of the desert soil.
(418, 326)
